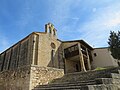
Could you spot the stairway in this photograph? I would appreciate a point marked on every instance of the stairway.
(108, 79)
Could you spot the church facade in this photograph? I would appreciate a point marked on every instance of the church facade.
(45, 50)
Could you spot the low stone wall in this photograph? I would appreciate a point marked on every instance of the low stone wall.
(44, 75)
(18, 79)
(28, 77)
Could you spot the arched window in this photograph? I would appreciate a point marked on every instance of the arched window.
(52, 57)
(54, 33)
(53, 46)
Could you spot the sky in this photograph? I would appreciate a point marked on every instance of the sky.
(90, 20)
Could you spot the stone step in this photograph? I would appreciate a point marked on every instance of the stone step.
(68, 84)
(104, 87)
(97, 83)
(119, 71)
(93, 80)
(116, 71)
(107, 81)
(89, 81)
(90, 75)
(88, 87)
(115, 75)
(64, 88)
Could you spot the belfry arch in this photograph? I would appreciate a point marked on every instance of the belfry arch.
(49, 28)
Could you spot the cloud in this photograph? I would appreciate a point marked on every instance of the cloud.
(96, 30)
(79, 19)
(92, 21)
(62, 10)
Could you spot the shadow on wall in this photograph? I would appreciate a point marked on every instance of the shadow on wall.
(56, 60)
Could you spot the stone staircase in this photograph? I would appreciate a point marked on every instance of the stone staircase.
(108, 79)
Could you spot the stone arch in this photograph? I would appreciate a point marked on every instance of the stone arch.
(49, 28)
(54, 31)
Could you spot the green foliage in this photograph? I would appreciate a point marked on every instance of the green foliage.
(114, 44)
(100, 68)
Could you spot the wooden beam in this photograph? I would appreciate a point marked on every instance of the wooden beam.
(88, 60)
(81, 58)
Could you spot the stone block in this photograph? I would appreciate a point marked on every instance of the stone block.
(104, 81)
(18, 79)
(119, 71)
(115, 75)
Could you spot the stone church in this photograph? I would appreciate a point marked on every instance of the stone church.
(41, 57)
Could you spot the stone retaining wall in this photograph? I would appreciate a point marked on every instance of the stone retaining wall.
(44, 75)
(28, 77)
(18, 79)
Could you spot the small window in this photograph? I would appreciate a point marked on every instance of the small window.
(95, 54)
(53, 45)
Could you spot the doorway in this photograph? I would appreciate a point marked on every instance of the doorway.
(72, 66)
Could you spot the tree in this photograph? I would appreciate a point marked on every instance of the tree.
(114, 44)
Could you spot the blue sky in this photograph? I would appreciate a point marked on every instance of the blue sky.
(90, 20)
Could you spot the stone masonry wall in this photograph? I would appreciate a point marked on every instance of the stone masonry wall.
(18, 55)
(44, 75)
(49, 56)
(18, 79)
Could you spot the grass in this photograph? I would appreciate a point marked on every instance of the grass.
(99, 68)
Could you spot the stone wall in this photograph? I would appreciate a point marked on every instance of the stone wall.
(18, 79)
(46, 56)
(44, 75)
(28, 77)
(18, 55)
(102, 58)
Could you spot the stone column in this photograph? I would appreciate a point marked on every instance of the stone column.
(51, 28)
(81, 58)
(88, 60)
(46, 28)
